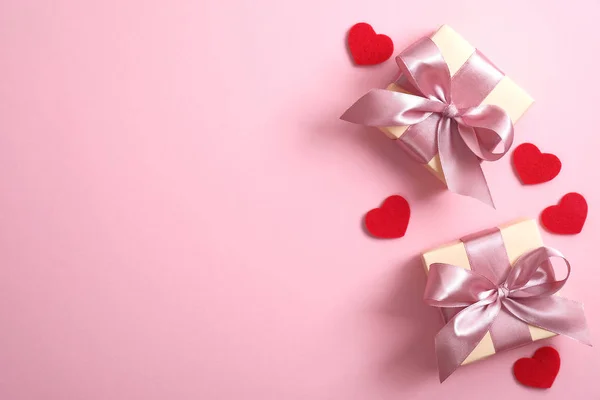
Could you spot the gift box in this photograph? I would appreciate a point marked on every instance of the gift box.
(498, 258)
(450, 109)
(456, 52)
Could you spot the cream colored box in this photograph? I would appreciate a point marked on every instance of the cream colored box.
(456, 51)
(519, 238)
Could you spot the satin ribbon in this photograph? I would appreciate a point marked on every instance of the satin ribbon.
(525, 294)
(464, 136)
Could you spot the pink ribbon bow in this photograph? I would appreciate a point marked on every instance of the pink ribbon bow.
(464, 136)
(525, 294)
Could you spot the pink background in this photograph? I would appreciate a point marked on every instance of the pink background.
(181, 208)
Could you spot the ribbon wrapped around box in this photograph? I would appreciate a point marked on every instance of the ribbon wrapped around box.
(496, 290)
(450, 109)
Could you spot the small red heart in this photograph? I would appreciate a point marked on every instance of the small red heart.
(540, 370)
(533, 166)
(390, 220)
(368, 47)
(568, 216)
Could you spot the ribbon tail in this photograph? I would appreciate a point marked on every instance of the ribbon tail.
(553, 313)
(462, 168)
(459, 337)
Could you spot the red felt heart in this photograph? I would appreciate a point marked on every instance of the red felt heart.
(390, 220)
(540, 370)
(568, 216)
(368, 47)
(533, 166)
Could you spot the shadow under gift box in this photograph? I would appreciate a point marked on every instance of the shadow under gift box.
(456, 52)
(519, 238)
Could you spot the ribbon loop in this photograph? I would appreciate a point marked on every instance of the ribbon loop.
(485, 127)
(479, 129)
(467, 287)
(534, 274)
(387, 108)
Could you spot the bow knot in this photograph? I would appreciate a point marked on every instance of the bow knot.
(450, 111)
(503, 291)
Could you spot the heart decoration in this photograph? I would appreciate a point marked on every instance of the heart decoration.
(568, 216)
(533, 166)
(390, 220)
(368, 47)
(540, 370)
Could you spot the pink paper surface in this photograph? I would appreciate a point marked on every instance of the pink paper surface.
(181, 208)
